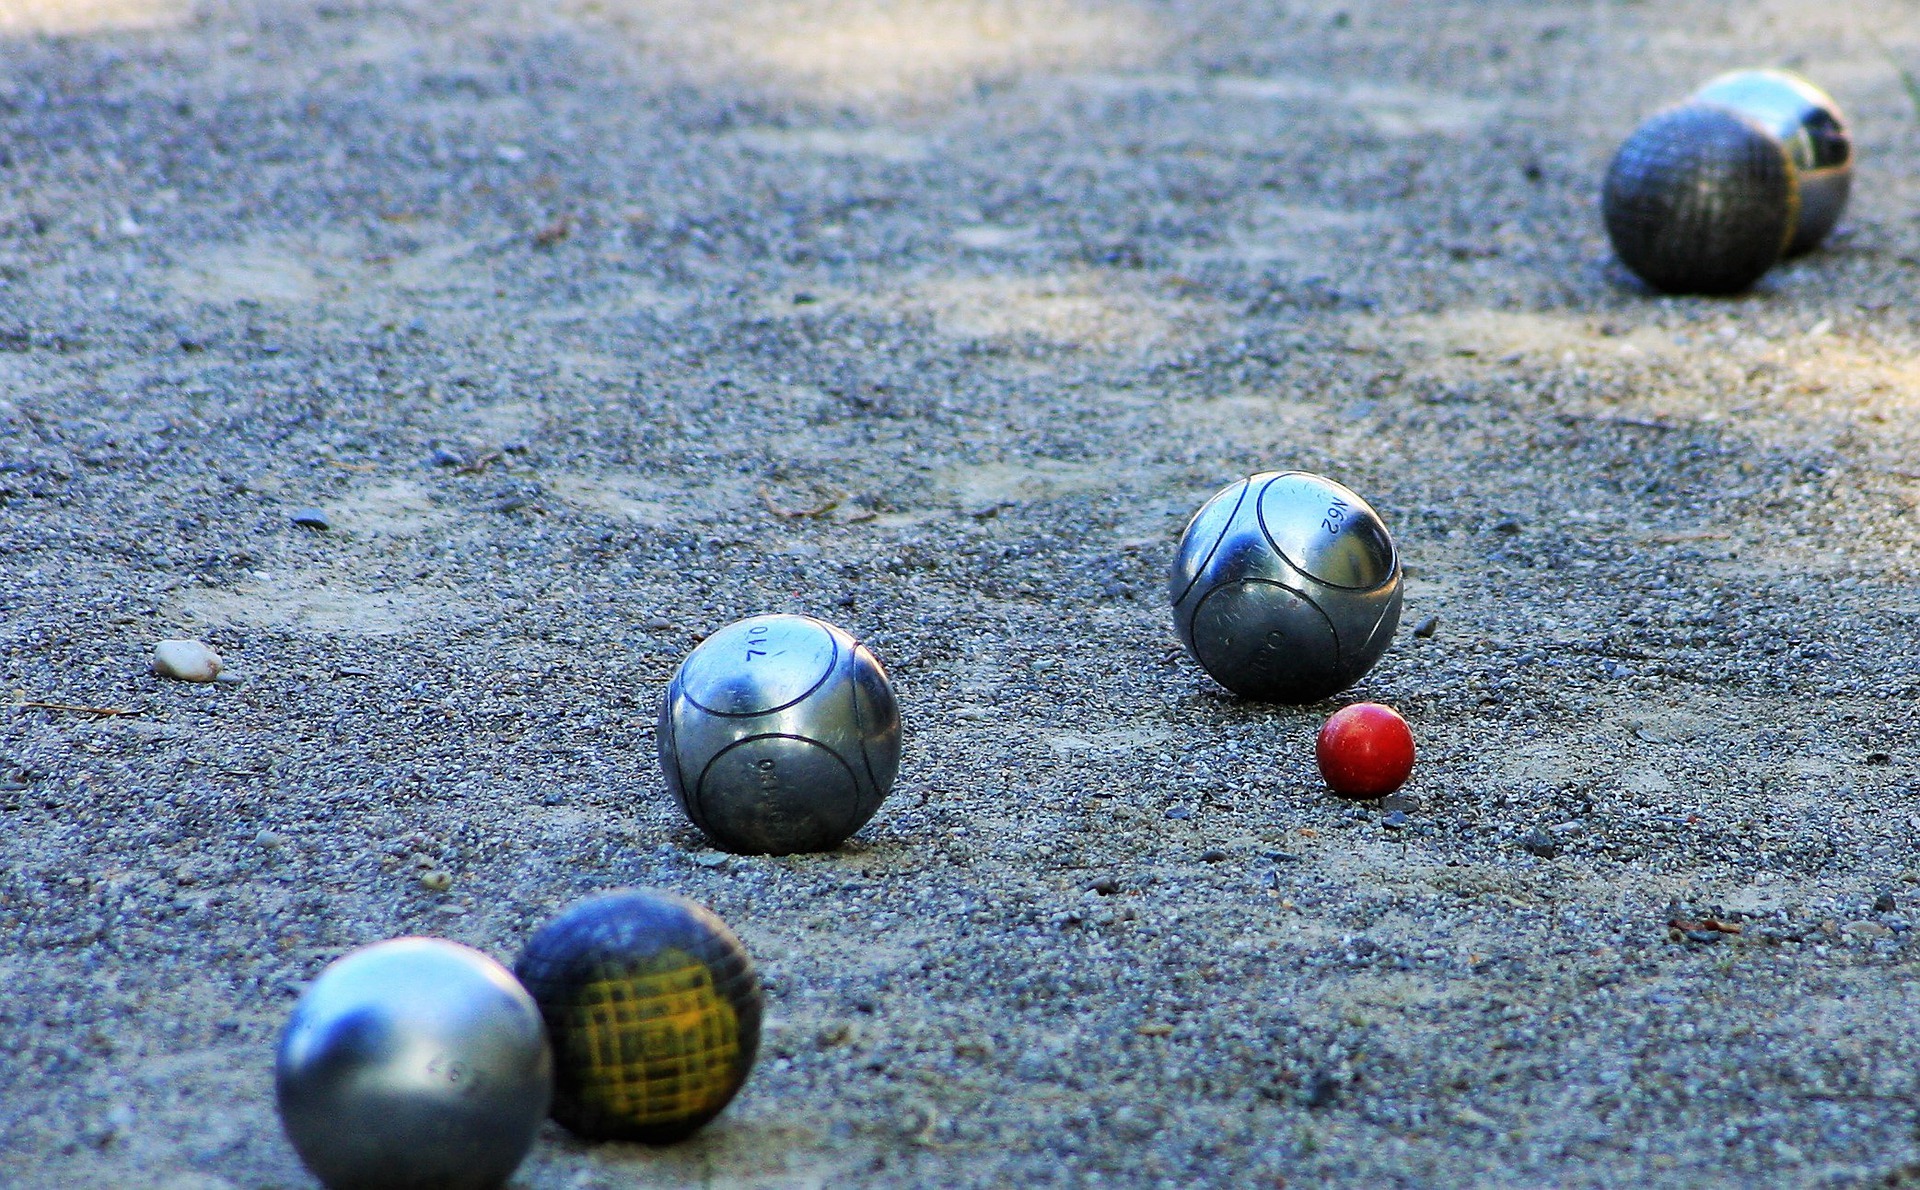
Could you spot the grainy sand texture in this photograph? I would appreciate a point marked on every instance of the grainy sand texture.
(451, 368)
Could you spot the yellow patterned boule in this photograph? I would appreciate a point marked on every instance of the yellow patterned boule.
(653, 1010)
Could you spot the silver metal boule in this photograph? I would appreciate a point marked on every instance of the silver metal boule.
(1286, 587)
(779, 734)
(1807, 121)
(1700, 199)
(413, 1063)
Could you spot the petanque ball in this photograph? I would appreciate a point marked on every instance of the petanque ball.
(653, 1009)
(413, 1063)
(1286, 587)
(1810, 125)
(779, 734)
(1700, 199)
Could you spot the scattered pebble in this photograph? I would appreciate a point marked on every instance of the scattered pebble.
(1180, 812)
(442, 457)
(437, 880)
(1427, 627)
(186, 661)
(1540, 843)
(1212, 855)
(1462, 1114)
(310, 518)
(1884, 903)
(1322, 1090)
(711, 859)
(1106, 886)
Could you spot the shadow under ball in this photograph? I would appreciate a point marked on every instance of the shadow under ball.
(1700, 199)
(413, 1064)
(1810, 125)
(1286, 587)
(653, 1009)
(779, 734)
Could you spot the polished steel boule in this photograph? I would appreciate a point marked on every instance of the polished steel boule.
(653, 1008)
(779, 734)
(1700, 199)
(1286, 587)
(1810, 125)
(413, 1063)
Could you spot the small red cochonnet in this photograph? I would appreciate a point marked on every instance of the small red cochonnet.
(1365, 751)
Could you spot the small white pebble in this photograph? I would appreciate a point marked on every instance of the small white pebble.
(187, 660)
(438, 880)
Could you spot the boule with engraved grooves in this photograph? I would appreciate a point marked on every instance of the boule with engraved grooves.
(412, 1063)
(779, 734)
(1700, 199)
(1811, 126)
(1286, 587)
(653, 1009)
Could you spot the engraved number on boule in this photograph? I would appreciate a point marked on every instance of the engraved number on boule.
(756, 641)
(454, 1073)
(1334, 517)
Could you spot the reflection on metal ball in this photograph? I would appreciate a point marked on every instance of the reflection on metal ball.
(413, 1063)
(1286, 587)
(1810, 125)
(653, 1009)
(779, 734)
(1700, 199)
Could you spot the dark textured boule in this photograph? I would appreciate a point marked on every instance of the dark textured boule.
(653, 1010)
(1814, 131)
(1700, 199)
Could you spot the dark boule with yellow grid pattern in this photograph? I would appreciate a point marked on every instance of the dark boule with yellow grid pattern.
(1700, 199)
(653, 1009)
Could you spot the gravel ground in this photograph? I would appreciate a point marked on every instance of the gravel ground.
(590, 327)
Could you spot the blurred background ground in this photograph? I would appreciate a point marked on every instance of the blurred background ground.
(591, 326)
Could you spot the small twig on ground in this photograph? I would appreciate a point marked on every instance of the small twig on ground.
(78, 710)
(1640, 423)
(794, 514)
(354, 466)
(1706, 923)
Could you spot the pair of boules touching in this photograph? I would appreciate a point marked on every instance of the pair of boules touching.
(1708, 195)
(422, 1064)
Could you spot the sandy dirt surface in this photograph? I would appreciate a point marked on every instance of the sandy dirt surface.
(590, 326)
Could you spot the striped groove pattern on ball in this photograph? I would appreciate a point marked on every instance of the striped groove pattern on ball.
(1700, 199)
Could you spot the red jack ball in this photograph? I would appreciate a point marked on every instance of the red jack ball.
(1365, 751)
